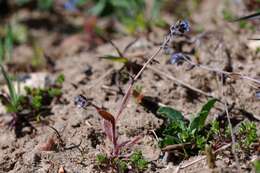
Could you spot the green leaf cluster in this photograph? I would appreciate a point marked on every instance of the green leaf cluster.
(247, 134)
(179, 131)
(135, 162)
(138, 161)
(35, 100)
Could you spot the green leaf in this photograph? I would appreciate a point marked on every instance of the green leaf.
(37, 102)
(115, 58)
(8, 44)
(20, 33)
(55, 92)
(1, 51)
(170, 113)
(138, 160)
(257, 166)
(101, 158)
(142, 164)
(155, 12)
(122, 165)
(168, 140)
(45, 4)
(199, 121)
(12, 92)
(227, 15)
(60, 79)
(98, 8)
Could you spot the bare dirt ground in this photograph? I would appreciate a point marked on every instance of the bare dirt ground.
(222, 45)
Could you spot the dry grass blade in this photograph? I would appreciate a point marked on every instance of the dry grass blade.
(12, 92)
(180, 82)
(176, 147)
(128, 92)
(125, 100)
(230, 127)
(204, 157)
(249, 17)
(108, 129)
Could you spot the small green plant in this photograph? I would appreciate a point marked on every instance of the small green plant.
(30, 106)
(135, 163)
(257, 166)
(227, 15)
(180, 131)
(138, 161)
(109, 120)
(247, 134)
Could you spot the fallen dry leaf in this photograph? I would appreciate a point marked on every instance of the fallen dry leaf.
(48, 146)
(61, 170)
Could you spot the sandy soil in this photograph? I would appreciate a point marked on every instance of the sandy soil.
(221, 46)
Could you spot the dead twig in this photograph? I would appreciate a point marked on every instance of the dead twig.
(233, 147)
(100, 79)
(58, 136)
(176, 147)
(232, 75)
(160, 72)
(204, 157)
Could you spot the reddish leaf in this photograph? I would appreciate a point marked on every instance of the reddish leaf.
(107, 127)
(134, 141)
(110, 130)
(123, 144)
(107, 116)
(125, 100)
(48, 146)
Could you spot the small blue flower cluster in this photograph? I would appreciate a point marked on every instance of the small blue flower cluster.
(70, 5)
(177, 58)
(184, 26)
(179, 28)
(80, 101)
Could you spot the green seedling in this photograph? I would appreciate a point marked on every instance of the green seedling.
(180, 131)
(30, 106)
(257, 166)
(138, 161)
(135, 163)
(12, 100)
(247, 134)
(227, 15)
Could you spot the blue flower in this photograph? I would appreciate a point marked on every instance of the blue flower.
(183, 26)
(257, 94)
(81, 101)
(177, 58)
